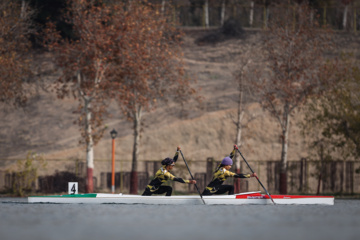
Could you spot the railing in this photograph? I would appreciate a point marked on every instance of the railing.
(303, 176)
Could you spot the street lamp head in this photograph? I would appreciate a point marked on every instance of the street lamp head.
(113, 134)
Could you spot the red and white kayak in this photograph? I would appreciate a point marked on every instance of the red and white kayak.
(258, 198)
(238, 199)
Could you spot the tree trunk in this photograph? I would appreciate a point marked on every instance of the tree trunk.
(23, 9)
(266, 16)
(134, 174)
(345, 16)
(321, 168)
(206, 13)
(238, 136)
(223, 7)
(251, 16)
(163, 6)
(89, 147)
(284, 150)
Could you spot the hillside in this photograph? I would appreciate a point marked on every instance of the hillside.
(202, 130)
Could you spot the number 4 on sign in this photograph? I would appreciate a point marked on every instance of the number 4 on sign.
(73, 187)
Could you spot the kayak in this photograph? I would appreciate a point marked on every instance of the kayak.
(250, 198)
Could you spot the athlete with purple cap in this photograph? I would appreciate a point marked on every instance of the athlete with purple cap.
(221, 174)
(162, 175)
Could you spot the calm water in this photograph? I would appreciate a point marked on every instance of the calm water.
(20, 220)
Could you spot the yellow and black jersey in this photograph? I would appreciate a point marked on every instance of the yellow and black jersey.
(220, 176)
(232, 154)
(161, 176)
(175, 158)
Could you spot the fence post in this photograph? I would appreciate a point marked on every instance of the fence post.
(303, 175)
(209, 169)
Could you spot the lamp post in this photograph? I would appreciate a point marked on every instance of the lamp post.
(113, 134)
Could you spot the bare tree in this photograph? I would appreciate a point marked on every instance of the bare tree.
(345, 14)
(294, 51)
(222, 14)
(332, 120)
(87, 64)
(251, 15)
(16, 28)
(243, 77)
(206, 13)
(152, 69)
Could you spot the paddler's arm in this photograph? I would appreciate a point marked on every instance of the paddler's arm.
(232, 154)
(184, 181)
(180, 180)
(175, 158)
(239, 175)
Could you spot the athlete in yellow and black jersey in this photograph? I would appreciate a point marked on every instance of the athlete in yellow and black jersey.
(162, 175)
(221, 174)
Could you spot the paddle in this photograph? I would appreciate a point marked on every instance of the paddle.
(256, 176)
(192, 176)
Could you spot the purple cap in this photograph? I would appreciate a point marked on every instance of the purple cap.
(227, 161)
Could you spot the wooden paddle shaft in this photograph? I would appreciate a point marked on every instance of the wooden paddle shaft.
(256, 176)
(182, 155)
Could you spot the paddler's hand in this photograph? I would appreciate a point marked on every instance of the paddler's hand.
(178, 149)
(192, 181)
(253, 175)
(235, 147)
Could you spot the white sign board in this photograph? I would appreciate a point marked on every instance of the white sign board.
(73, 188)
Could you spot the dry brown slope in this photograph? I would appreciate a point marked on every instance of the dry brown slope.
(46, 125)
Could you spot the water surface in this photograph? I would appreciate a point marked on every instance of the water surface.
(21, 220)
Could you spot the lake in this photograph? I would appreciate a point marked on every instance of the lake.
(21, 220)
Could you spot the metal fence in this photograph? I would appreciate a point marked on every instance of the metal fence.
(303, 176)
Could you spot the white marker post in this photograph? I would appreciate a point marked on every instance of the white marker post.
(73, 188)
